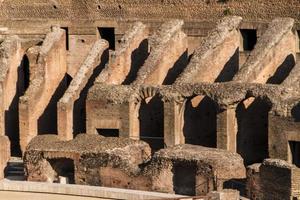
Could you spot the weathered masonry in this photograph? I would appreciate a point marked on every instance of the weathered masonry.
(181, 100)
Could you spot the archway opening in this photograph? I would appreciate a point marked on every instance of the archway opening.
(200, 122)
(252, 135)
(151, 118)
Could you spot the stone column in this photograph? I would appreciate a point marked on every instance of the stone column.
(65, 121)
(134, 124)
(227, 129)
(173, 123)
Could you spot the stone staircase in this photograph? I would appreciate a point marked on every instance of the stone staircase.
(15, 169)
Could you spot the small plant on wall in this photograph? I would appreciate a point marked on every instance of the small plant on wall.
(227, 12)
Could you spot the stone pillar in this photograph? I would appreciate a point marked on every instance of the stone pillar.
(227, 129)
(173, 123)
(4, 154)
(65, 121)
(134, 124)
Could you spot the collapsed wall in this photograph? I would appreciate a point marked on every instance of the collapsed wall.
(273, 179)
(127, 163)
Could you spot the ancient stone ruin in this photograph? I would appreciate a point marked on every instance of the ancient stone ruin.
(197, 98)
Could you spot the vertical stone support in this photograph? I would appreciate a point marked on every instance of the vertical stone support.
(51, 66)
(173, 123)
(10, 59)
(134, 124)
(271, 51)
(168, 44)
(4, 154)
(66, 103)
(221, 43)
(227, 129)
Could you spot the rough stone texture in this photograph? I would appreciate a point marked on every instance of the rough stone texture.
(274, 46)
(66, 103)
(4, 155)
(10, 58)
(224, 195)
(211, 162)
(124, 107)
(122, 60)
(167, 44)
(275, 179)
(51, 68)
(222, 43)
(126, 163)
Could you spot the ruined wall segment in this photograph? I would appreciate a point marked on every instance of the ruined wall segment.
(66, 103)
(167, 45)
(209, 59)
(51, 69)
(10, 59)
(275, 179)
(122, 60)
(272, 49)
(127, 163)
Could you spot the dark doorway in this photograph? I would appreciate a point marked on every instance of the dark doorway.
(249, 38)
(252, 135)
(108, 132)
(12, 114)
(184, 179)
(151, 117)
(295, 152)
(108, 33)
(200, 122)
(63, 167)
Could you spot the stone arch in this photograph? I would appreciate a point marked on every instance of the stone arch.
(200, 121)
(252, 129)
(149, 117)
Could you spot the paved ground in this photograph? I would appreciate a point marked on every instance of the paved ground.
(6, 195)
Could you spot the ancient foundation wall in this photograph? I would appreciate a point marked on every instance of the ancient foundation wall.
(51, 64)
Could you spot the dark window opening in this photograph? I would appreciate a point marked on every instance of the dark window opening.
(200, 122)
(25, 64)
(295, 152)
(252, 134)
(151, 119)
(108, 34)
(67, 37)
(64, 167)
(249, 39)
(108, 132)
(184, 179)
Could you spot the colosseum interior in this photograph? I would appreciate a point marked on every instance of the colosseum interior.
(191, 99)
